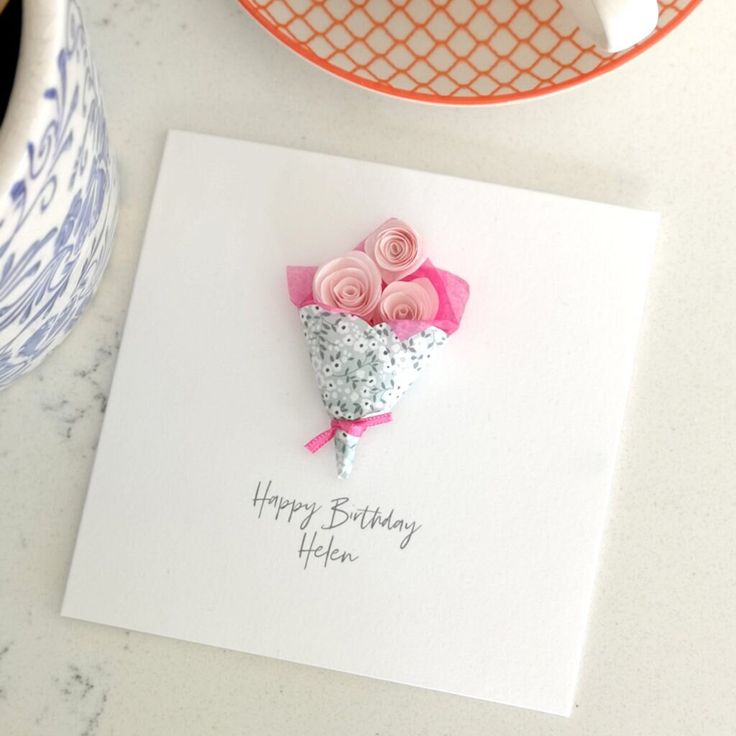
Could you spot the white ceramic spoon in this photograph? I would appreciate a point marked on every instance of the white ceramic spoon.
(614, 25)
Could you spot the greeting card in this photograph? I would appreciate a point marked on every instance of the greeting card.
(283, 295)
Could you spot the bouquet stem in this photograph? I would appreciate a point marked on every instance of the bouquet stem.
(347, 434)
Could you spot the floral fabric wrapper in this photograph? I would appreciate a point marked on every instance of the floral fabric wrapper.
(363, 370)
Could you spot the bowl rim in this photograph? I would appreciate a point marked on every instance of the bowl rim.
(480, 101)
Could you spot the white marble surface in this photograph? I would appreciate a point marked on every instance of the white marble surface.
(661, 653)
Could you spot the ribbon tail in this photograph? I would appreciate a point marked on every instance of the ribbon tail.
(347, 434)
(318, 442)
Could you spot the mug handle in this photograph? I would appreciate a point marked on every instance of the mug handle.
(614, 25)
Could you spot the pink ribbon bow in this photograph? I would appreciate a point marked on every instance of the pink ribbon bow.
(354, 427)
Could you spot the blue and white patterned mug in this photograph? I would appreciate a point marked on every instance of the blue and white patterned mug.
(58, 186)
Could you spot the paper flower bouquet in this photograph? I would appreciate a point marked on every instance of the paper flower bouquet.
(372, 319)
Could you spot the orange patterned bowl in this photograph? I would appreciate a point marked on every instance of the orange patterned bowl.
(453, 52)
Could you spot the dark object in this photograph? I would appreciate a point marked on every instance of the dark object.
(10, 20)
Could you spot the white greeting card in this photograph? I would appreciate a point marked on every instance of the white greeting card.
(460, 555)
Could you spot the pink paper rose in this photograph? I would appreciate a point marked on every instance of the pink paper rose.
(414, 300)
(350, 283)
(396, 249)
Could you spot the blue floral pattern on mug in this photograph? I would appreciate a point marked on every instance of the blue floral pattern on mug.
(57, 221)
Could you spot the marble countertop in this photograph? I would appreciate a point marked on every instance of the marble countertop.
(659, 134)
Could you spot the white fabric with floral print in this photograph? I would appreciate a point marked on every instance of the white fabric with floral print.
(361, 369)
